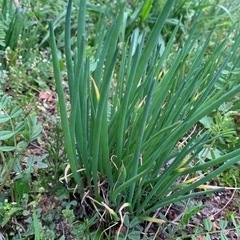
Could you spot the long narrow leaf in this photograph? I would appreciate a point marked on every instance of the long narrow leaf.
(69, 145)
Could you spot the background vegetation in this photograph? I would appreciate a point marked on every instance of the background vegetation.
(148, 114)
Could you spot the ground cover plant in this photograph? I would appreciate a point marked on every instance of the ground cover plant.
(148, 109)
(127, 121)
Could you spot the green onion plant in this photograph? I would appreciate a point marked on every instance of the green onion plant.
(134, 111)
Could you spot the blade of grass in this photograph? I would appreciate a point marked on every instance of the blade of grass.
(69, 145)
(99, 121)
(153, 38)
(177, 195)
(142, 124)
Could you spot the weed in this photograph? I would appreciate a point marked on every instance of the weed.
(152, 110)
(15, 135)
(129, 113)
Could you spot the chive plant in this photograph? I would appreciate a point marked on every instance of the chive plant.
(133, 105)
